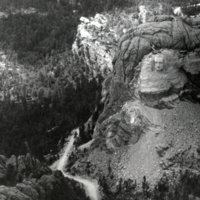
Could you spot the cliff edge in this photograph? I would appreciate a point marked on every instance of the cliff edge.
(148, 135)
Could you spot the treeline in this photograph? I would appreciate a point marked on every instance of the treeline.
(52, 27)
(33, 36)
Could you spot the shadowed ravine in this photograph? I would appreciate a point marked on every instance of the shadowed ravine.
(91, 187)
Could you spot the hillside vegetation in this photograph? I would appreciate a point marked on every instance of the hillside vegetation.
(45, 91)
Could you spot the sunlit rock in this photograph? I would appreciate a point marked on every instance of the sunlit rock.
(161, 73)
(95, 44)
(146, 127)
(126, 126)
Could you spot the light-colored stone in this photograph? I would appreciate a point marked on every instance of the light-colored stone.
(126, 126)
(156, 81)
(93, 44)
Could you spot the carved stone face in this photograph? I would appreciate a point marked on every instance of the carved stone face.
(159, 63)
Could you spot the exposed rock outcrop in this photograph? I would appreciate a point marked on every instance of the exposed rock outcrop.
(140, 41)
(95, 44)
(146, 132)
(97, 38)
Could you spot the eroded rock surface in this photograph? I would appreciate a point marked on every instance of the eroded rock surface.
(95, 44)
(97, 38)
(143, 39)
(148, 132)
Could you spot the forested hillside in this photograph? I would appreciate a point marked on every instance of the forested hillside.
(50, 89)
(52, 92)
(52, 26)
(45, 92)
(64, 66)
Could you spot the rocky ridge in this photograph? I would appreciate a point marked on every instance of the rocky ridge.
(93, 44)
(97, 38)
(148, 134)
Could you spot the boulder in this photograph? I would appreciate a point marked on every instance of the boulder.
(169, 76)
(161, 149)
(97, 38)
(141, 40)
(138, 73)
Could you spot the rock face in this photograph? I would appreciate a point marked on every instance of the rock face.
(155, 80)
(125, 127)
(140, 41)
(97, 38)
(148, 136)
(95, 45)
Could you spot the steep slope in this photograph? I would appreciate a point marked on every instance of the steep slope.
(147, 138)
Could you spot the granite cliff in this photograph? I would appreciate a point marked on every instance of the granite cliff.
(146, 141)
